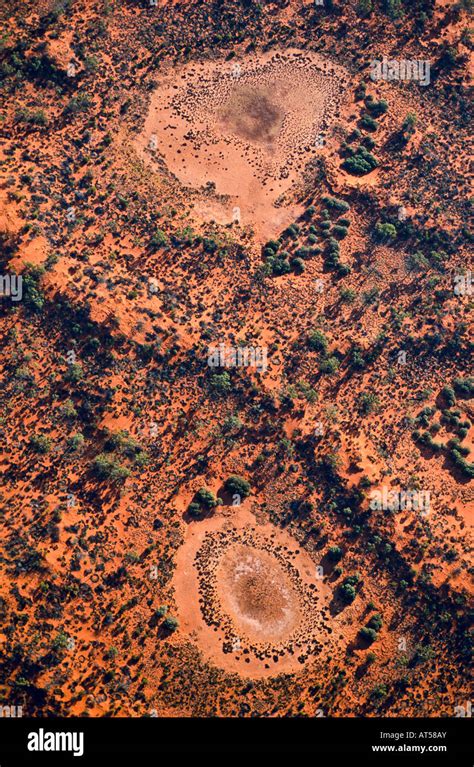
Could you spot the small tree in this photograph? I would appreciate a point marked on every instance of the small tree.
(220, 383)
(368, 634)
(235, 485)
(385, 232)
(318, 341)
(335, 553)
(40, 443)
(170, 623)
(206, 499)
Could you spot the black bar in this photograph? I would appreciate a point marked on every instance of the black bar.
(328, 738)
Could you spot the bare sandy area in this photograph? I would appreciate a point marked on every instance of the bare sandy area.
(249, 597)
(241, 132)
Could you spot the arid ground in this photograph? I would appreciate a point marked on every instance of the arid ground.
(236, 377)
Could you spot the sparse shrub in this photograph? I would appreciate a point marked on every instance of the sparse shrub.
(32, 117)
(364, 8)
(78, 103)
(105, 467)
(367, 402)
(68, 410)
(368, 123)
(348, 295)
(385, 232)
(329, 365)
(318, 341)
(75, 442)
(170, 624)
(220, 383)
(378, 693)
(235, 485)
(393, 9)
(417, 262)
(74, 373)
(361, 162)
(40, 443)
(159, 240)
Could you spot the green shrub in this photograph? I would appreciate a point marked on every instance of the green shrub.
(170, 623)
(347, 592)
(206, 499)
(464, 387)
(448, 394)
(40, 443)
(375, 622)
(105, 467)
(377, 108)
(340, 231)
(385, 232)
(335, 204)
(368, 634)
(298, 266)
(33, 297)
(194, 510)
(335, 553)
(361, 162)
(318, 341)
(368, 123)
(280, 265)
(235, 485)
(220, 383)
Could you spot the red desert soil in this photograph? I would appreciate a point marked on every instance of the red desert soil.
(189, 134)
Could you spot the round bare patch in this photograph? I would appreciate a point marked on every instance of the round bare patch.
(258, 594)
(249, 597)
(253, 115)
(240, 135)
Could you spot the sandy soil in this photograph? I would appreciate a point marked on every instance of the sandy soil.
(249, 596)
(248, 128)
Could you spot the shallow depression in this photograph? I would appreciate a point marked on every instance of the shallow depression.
(257, 593)
(243, 142)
